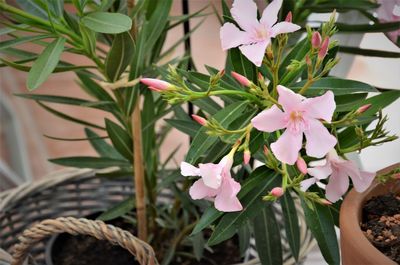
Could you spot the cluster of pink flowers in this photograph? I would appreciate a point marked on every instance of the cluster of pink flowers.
(294, 113)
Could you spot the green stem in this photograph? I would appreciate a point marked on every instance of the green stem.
(306, 86)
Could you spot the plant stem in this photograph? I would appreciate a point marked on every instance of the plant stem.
(138, 158)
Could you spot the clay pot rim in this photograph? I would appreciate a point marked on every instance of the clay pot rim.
(350, 216)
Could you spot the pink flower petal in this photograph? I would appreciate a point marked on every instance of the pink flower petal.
(319, 140)
(211, 174)
(270, 13)
(283, 27)
(245, 14)
(255, 52)
(321, 107)
(226, 200)
(305, 184)
(200, 191)
(320, 172)
(287, 148)
(361, 179)
(288, 99)
(232, 37)
(270, 120)
(189, 170)
(337, 186)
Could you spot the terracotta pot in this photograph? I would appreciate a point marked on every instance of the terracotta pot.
(355, 247)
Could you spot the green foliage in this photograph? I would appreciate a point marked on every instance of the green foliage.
(103, 22)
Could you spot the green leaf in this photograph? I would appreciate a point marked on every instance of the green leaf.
(298, 53)
(198, 243)
(103, 148)
(202, 141)
(189, 127)
(244, 235)
(54, 99)
(157, 23)
(21, 40)
(90, 162)
(267, 236)
(379, 27)
(319, 220)
(252, 204)
(45, 63)
(369, 52)
(92, 88)
(337, 85)
(69, 118)
(118, 210)
(119, 56)
(379, 101)
(105, 22)
(291, 223)
(33, 8)
(121, 140)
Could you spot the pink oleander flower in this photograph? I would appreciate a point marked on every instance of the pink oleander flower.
(363, 108)
(155, 84)
(216, 183)
(389, 11)
(300, 115)
(339, 170)
(256, 35)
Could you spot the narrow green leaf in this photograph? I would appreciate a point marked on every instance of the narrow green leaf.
(118, 210)
(121, 140)
(32, 8)
(337, 85)
(54, 99)
(319, 220)
(189, 127)
(291, 223)
(119, 56)
(105, 22)
(92, 88)
(21, 40)
(199, 244)
(379, 101)
(244, 235)
(69, 118)
(202, 141)
(268, 237)
(157, 22)
(252, 204)
(103, 148)
(379, 27)
(45, 63)
(90, 162)
(369, 52)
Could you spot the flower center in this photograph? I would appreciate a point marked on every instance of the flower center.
(296, 122)
(261, 33)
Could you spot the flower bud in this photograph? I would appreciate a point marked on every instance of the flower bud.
(199, 120)
(241, 79)
(155, 83)
(266, 150)
(325, 202)
(154, 89)
(221, 73)
(363, 108)
(316, 40)
(396, 176)
(324, 49)
(308, 60)
(246, 156)
(260, 77)
(301, 165)
(289, 17)
(277, 192)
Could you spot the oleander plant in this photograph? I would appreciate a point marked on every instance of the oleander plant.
(270, 130)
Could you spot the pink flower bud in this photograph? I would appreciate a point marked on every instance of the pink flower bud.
(155, 83)
(199, 120)
(221, 73)
(154, 89)
(396, 176)
(316, 40)
(363, 108)
(260, 77)
(277, 192)
(301, 165)
(246, 156)
(325, 202)
(308, 60)
(241, 79)
(324, 49)
(289, 17)
(266, 150)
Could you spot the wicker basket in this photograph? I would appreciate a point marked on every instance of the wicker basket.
(79, 193)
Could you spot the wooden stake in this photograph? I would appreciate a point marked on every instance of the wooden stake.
(138, 163)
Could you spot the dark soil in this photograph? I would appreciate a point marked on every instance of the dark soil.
(86, 250)
(381, 224)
